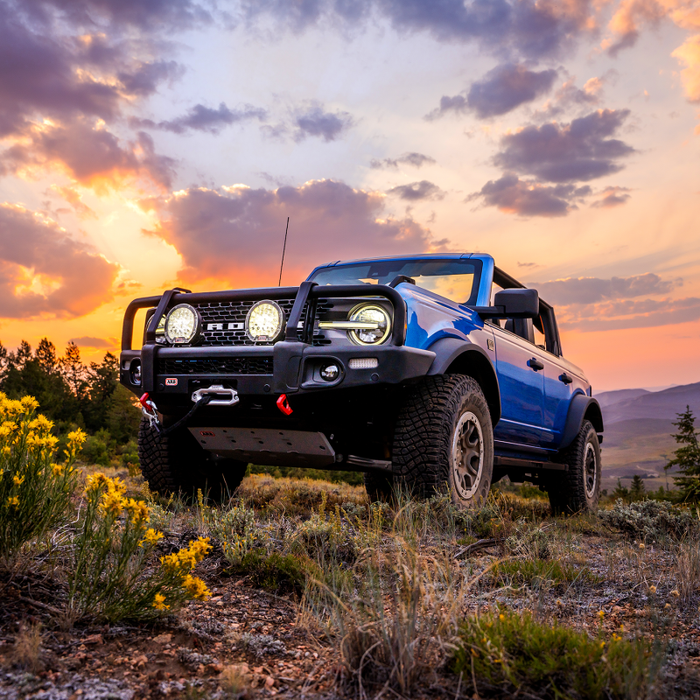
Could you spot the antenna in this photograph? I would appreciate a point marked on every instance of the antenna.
(284, 250)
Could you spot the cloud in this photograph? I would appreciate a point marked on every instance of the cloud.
(89, 341)
(641, 314)
(612, 197)
(569, 97)
(500, 91)
(44, 272)
(234, 234)
(581, 150)
(416, 160)
(416, 191)
(689, 54)
(201, 118)
(591, 290)
(73, 197)
(90, 155)
(315, 121)
(512, 195)
(527, 27)
(138, 14)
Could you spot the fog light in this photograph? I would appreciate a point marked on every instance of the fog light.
(136, 373)
(363, 363)
(330, 372)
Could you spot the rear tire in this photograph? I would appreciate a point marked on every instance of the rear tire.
(578, 489)
(175, 463)
(444, 436)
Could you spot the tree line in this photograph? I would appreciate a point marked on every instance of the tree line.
(74, 394)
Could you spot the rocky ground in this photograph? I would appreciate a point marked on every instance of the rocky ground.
(253, 640)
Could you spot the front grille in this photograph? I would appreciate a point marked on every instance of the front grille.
(236, 311)
(216, 365)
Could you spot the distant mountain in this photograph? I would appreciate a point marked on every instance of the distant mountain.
(640, 403)
(638, 432)
(607, 398)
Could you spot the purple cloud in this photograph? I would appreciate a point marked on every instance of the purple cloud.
(231, 232)
(416, 160)
(417, 191)
(501, 90)
(581, 150)
(512, 195)
(201, 118)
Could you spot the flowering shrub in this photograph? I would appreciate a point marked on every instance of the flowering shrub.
(35, 490)
(234, 527)
(112, 577)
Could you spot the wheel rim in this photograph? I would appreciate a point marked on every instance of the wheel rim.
(590, 473)
(467, 455)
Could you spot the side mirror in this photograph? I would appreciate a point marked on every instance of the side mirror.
(512, 303)
(518, 303)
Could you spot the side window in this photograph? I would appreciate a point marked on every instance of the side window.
(540, 339)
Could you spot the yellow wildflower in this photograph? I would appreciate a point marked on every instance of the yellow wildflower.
(159, 602)
(601, 614)
(57, 469)
(112, 503)
(652, 589)
(29, 403)
(7, 451)
(675, 593)
(96, 481)
(502, 617)
(13, 501)
(641, 545)
(170, 563)
(17, 480)
(196, 587)
(137, 510)
(151, 537)
(602, 644)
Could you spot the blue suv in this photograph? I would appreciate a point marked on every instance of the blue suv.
(428, 370)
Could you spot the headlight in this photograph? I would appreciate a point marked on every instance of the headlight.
(264, 321)
(370, 314)
(182, 325)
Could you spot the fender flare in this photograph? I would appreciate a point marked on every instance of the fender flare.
(452, 352)
(582, 407)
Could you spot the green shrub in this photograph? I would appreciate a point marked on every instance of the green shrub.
(537, 573)
(96, 451)
(651, 520)
(278, 573)
(511, 652)
(234, 527)
(112, 575)
(35, 491)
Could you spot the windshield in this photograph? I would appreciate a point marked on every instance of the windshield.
(457, 280)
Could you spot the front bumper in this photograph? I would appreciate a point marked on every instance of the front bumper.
(172, 374)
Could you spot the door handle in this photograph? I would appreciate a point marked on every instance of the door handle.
(535, 364)
(564, 377)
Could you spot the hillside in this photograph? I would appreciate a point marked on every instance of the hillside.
(638, 428)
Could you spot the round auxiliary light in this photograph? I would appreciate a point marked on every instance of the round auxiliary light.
(182, 325)
(370, 313)
(264, 321)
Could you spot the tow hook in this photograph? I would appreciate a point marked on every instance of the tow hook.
(149, 409)
(283, 404)
(219, 395)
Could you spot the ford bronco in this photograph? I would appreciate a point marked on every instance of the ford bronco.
(428, 370)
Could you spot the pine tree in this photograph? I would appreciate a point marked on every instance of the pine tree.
(687, 457)
(637, 488)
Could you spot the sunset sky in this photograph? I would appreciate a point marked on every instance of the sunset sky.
(148, 143)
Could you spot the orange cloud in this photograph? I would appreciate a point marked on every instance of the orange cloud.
(44, 272)
(88, 154)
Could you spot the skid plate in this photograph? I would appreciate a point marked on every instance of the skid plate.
(283, 448)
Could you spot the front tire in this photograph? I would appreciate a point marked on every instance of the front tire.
(444, 436)
(578, 490)
(175, 463)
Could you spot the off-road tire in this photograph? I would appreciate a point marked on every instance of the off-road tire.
(423, 454)
(379, 487)
(578, 489)
(175, 463)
